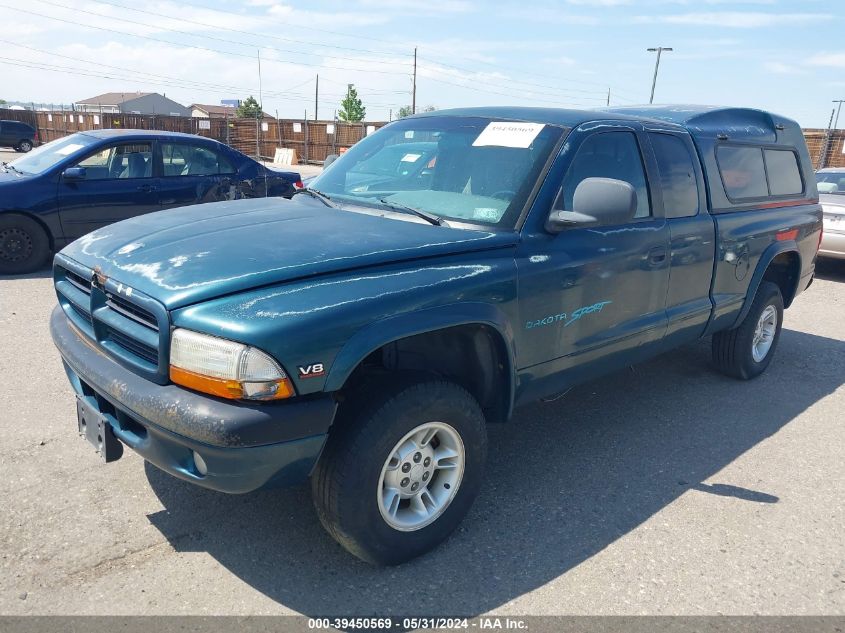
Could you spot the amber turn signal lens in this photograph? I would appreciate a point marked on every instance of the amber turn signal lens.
(232, 389)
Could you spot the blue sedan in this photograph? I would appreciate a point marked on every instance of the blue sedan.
(79, 183)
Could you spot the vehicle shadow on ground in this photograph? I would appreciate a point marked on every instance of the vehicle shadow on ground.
(565, 479)
(830, 269)
(43, 273)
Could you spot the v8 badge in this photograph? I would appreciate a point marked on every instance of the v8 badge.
(312, 371)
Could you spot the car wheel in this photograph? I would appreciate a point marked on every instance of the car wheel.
(24, 245)
(399, 476)
(746, 351)
(25, 146)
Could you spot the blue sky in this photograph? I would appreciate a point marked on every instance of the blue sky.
(783, 55)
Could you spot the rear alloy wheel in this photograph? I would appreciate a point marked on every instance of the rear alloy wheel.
(398, 476)
(24, 245)
(25, 146)
(745, 351)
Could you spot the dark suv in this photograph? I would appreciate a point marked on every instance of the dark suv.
(21, 136)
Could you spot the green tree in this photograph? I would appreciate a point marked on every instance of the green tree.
(351, 108)
(249, 109)
(2, 102)
(406, 110)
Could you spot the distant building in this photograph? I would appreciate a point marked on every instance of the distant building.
(202, 111)
(132, 103)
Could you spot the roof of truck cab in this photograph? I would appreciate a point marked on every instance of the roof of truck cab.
(698, 119)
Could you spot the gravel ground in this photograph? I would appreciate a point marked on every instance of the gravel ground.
(662, 489)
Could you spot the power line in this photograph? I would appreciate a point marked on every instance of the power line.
(360, 36)
(505, 94)
(251, 33)
(193, 46)
(356, 36)
(517, 81)
(202, 35)
(187, 83)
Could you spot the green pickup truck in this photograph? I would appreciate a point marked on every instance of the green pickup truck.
(444, 270)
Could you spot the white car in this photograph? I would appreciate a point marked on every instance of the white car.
(831, 184)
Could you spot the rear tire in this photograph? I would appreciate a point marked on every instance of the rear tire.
(746, 351)
(25, 146)
(24, 245)
(388, 487)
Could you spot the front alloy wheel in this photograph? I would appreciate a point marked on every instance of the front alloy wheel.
(421, 476)
(398, 476)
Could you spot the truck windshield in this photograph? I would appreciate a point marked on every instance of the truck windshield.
(468, 169)
(47, 156)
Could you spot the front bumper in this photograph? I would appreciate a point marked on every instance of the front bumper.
(245, 446)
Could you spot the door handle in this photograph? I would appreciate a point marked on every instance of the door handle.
(147, 188)
(657, 255)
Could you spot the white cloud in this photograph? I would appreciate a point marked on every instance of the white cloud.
(735, 19)
(835, 60)
(600, 3)
(780, 68)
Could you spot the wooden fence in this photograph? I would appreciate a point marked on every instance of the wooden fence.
(312, 140)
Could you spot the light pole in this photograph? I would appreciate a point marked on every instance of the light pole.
(659, 50)
(838, 108)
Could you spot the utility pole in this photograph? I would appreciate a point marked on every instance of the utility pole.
(608, 97)
(316, 95)
(260, 91)
(659, 50)
(414, 90)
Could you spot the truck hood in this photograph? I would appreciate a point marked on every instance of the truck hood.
(196, 253)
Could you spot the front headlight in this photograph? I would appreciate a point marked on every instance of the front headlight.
(225, 368)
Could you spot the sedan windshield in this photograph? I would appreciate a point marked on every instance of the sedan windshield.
(831, 181)
(47, 156)
(467, 169)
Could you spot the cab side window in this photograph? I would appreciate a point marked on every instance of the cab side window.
(677, 175)
(608, 155)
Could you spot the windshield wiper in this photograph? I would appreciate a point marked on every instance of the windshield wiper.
(428, 217)
(8, 166)
(319, 195)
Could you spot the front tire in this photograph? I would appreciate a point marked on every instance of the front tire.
(746, 351)
(24, 245)
(398, 477)
(25, 146)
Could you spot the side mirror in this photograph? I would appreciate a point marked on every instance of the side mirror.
(597, 201)
(329, 160)
(74, 173)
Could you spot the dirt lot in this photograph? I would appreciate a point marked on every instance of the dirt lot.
(663, 489)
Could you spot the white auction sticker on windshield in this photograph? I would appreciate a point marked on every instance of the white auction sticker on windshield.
(410, 158)
(69, 149)
(508, 134)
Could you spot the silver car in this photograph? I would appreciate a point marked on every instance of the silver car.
(831, 184)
